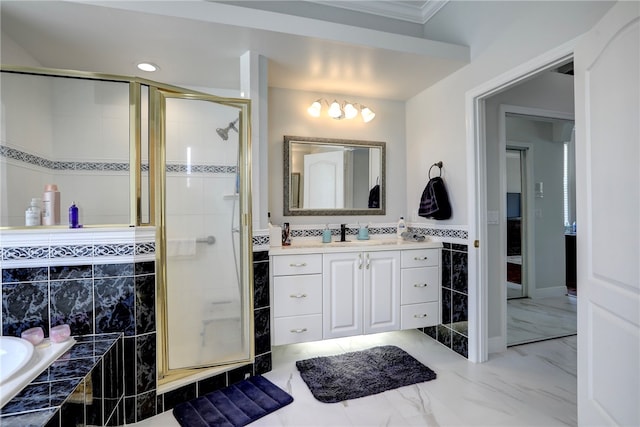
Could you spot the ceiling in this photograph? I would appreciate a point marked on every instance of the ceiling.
(373, 49)
(318, 46)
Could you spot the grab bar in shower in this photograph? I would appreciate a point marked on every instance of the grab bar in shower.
(209, 240)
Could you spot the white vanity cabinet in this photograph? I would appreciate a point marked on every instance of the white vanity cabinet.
(322, 291)
(420, 294)
(297, 298)
(361, 293)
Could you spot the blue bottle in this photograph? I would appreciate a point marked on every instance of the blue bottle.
(73, 216)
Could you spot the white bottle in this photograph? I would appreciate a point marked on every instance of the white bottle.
(275, 233)
(33, 215)
(51, 205)
(402, 227)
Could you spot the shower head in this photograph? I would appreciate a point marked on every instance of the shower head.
(224, 132)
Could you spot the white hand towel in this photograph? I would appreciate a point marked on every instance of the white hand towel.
(184, 247)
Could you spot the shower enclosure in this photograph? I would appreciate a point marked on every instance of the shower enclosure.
(205, 230)
(132, 152)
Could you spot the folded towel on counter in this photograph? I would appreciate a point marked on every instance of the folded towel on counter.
(413, 237)
(181, 247)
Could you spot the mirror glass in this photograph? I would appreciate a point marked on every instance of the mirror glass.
(67, 131)
(333, 176)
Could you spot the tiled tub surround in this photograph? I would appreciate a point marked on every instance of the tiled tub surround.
(84, 386)
(103, 280)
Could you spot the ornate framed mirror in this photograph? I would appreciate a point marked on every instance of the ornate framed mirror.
(325, 176)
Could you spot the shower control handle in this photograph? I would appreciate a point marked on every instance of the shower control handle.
(302, 264)
(298, 331)
(298, 296)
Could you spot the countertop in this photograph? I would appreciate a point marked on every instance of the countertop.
(312, 246)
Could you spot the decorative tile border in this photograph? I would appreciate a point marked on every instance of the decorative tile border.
(25, 248)
(454, 235)
(34, 160)
(185, 168)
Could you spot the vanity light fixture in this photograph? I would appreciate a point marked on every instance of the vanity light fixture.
(341, 110)
(147, 66)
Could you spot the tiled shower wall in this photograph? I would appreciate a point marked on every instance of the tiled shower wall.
(104, 281)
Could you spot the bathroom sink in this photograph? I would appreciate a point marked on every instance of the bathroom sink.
(15, 353)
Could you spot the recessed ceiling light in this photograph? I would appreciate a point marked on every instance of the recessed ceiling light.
(147, 66)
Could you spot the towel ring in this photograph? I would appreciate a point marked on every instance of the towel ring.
(439, 165)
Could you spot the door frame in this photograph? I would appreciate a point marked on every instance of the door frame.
(476, 184)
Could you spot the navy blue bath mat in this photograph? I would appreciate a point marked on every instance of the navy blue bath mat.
(361, 373)
(237, 405)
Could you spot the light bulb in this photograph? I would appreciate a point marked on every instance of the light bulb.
(350, 111)
(334, 110)
(367, 114)
(315, 108)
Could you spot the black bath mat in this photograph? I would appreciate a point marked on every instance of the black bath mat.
(362, 373)
(237, 405)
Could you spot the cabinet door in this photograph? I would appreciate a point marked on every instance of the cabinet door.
(342, 294)
(381, 291)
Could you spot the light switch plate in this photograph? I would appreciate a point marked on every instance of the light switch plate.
(493, 217)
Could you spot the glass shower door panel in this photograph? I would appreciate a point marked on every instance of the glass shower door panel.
(206, 304)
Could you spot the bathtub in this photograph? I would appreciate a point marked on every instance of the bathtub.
(21, 363)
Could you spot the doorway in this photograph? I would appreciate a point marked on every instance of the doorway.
(539, 200)
(487, 297)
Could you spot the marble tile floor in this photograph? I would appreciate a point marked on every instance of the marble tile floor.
(530, 320)
(529, 385)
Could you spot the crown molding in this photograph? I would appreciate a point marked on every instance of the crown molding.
(418, 14)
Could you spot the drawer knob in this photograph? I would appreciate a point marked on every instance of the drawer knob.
(301, 264)
(298, 331)
(420, 316)
(298, 296)
(420, 285)
(420, 258)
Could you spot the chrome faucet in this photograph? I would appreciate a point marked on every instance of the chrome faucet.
(343, 232)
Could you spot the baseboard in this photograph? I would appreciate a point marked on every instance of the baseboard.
(496, 344)
(555, 291)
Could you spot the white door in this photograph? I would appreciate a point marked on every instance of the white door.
(381, 291)
(342, 294)
(324, 180)
(607, 81)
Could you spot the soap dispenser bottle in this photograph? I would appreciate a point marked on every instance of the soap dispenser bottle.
(33, 214)
(326, 234)
(402, 227)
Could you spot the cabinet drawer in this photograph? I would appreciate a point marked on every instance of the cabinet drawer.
(419, 315)
(419, 285)
(295, 329)
(297, 264)
(420, 258)
(296, 295)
